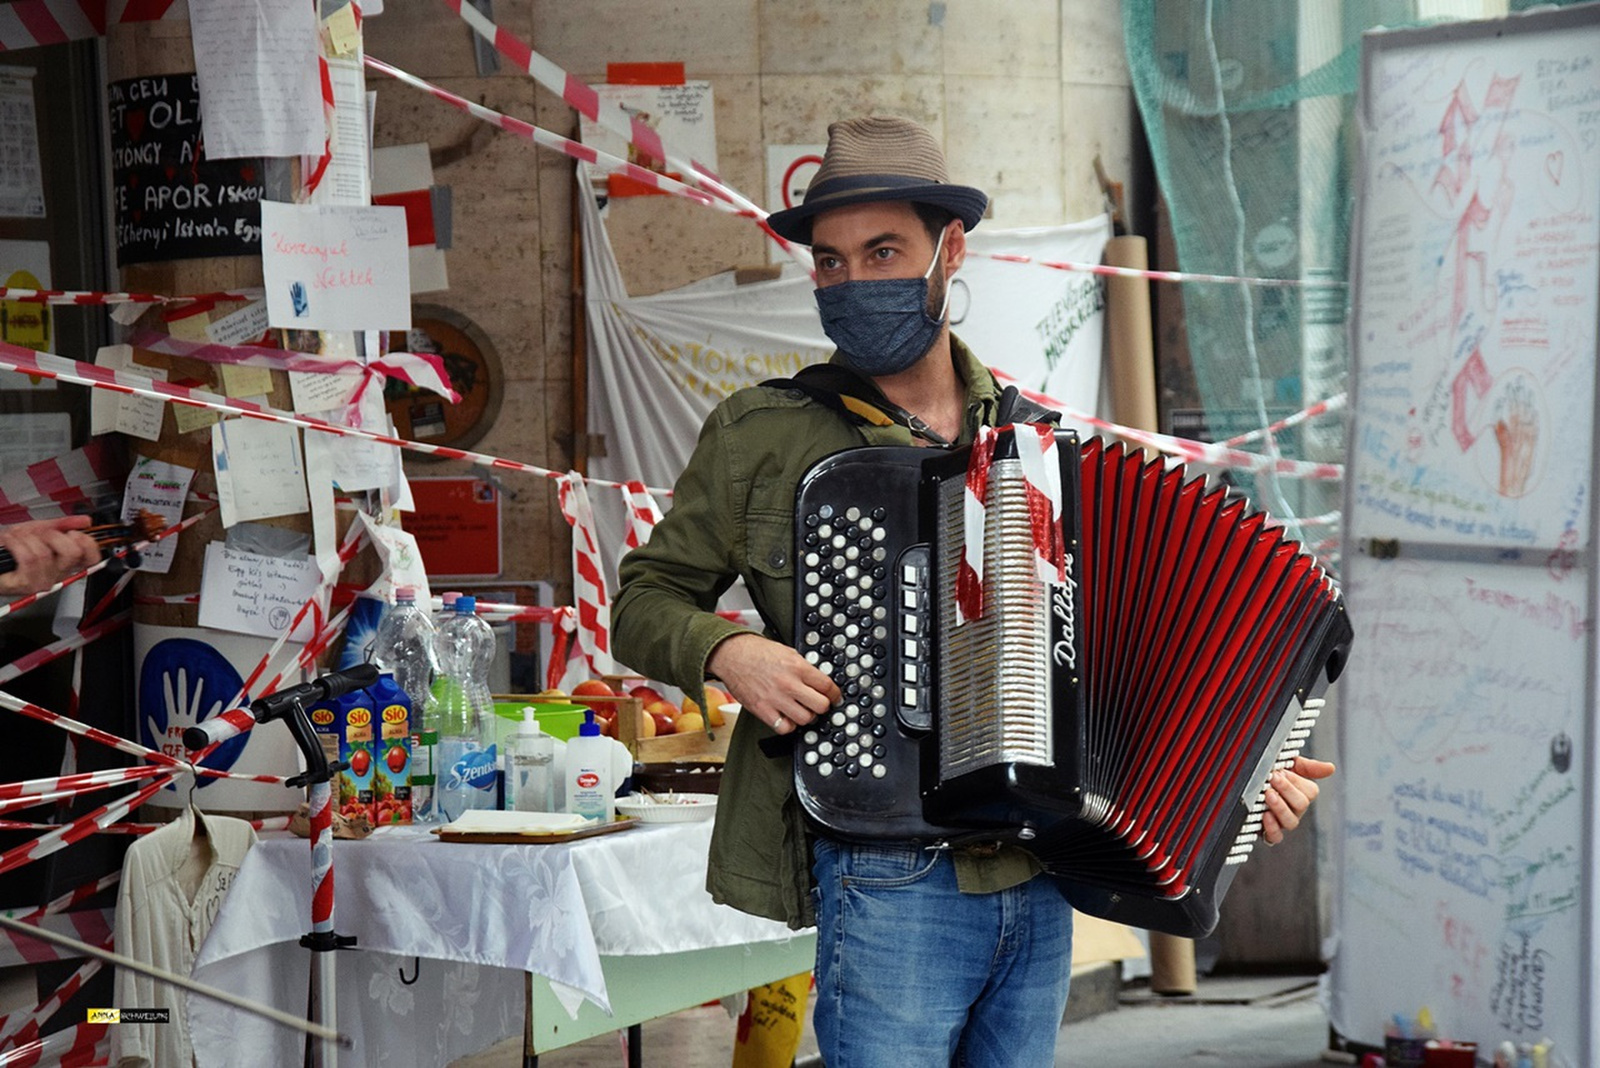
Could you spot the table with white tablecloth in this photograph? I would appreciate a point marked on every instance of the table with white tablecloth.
(613, 929)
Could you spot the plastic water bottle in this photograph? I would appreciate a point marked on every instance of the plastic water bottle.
(461, 710)
(403, 648)
(529, 779)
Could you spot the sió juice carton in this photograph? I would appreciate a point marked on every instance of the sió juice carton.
(391, 774)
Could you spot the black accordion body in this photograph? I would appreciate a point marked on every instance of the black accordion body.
(1119, 723)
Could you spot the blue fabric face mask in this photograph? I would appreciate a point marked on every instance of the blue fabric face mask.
(882, 326)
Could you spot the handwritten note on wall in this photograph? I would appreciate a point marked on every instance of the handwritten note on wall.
(336, 268)
(253, 594)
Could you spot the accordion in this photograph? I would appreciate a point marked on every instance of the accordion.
(1117, 715)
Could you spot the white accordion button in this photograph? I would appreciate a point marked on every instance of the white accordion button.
(811, 759)
(824, 770)
(879, 771)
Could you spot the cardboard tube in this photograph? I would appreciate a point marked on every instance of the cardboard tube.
(1171, 964)
(1130, 340)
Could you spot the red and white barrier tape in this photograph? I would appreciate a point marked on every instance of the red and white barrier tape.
(21, 1029)
(565, 145)
(46, 653)
(86, 296)
(83, 1045)
(969, 567)
(90, 925)
(420, 369)
(588, 578)
(643, 513)
(633, 128)
(1183, 448)
(30, 792)
(76, 896)
(35, 23)
(73, 478)
(1167, 276)
(1327, 407)
(80, 828)
(16, 358)
(1041, 477)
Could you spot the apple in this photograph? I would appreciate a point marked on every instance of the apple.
(688, 723)
(663, 712)
(646, 694)
(649, 727)
(395, 758)
(360, 761)
(593, 688)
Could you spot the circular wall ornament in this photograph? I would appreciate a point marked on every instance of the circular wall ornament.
(473, 367)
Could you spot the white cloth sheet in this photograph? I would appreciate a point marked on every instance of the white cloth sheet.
(477, 916)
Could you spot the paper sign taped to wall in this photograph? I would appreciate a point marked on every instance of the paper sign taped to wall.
(253, 594)
(159, 487)
(335, 268)
(260, 472)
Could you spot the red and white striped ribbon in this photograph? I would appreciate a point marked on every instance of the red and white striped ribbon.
(29, 792)
(1185, 449)
(1167, 276)
(320, 804)
(46, 653)
(325, 81)
(80, 1046)
(420, 369)
(643, 514)
(67, 481)
(588, 578)
(76, 896)
(969, 568)
(88, 296)
(87, 925)
(17, 358)
(638, 133)
(565, 145)
(80, 828)
(1041, 476)
(21, 1029)
(34, 23)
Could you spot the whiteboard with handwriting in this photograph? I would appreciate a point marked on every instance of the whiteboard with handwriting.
(1466, 874)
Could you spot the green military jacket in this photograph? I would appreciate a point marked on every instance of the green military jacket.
(732, 517)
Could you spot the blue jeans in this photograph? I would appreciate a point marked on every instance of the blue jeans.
(912, 972)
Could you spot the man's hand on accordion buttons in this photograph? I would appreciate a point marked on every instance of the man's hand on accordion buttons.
(1289, 794)
(771, 681)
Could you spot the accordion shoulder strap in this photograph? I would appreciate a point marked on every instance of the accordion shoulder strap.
(853, 397)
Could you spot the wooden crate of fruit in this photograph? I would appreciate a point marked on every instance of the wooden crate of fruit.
(654, 729)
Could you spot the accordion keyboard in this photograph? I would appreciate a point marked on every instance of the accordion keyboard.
(865, 622)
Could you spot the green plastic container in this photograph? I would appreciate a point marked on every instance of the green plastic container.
(557, 720)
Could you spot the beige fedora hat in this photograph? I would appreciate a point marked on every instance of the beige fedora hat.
(879, 158)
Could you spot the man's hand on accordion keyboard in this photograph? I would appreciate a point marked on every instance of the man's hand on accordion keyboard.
(1289, 794)
(771, 681)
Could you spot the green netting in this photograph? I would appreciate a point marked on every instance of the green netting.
(1247, 105)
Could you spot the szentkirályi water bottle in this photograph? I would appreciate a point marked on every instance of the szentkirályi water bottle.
(403, 648)
(462, 712)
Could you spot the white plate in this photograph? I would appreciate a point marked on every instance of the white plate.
(670, 808)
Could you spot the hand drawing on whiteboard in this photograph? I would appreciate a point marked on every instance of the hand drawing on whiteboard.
(1478, 276)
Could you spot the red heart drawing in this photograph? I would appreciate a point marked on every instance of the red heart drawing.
(248, 173)
(135, 124)
(1553, 164)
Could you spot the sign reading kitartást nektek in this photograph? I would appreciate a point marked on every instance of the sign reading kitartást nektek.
(171, 202)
